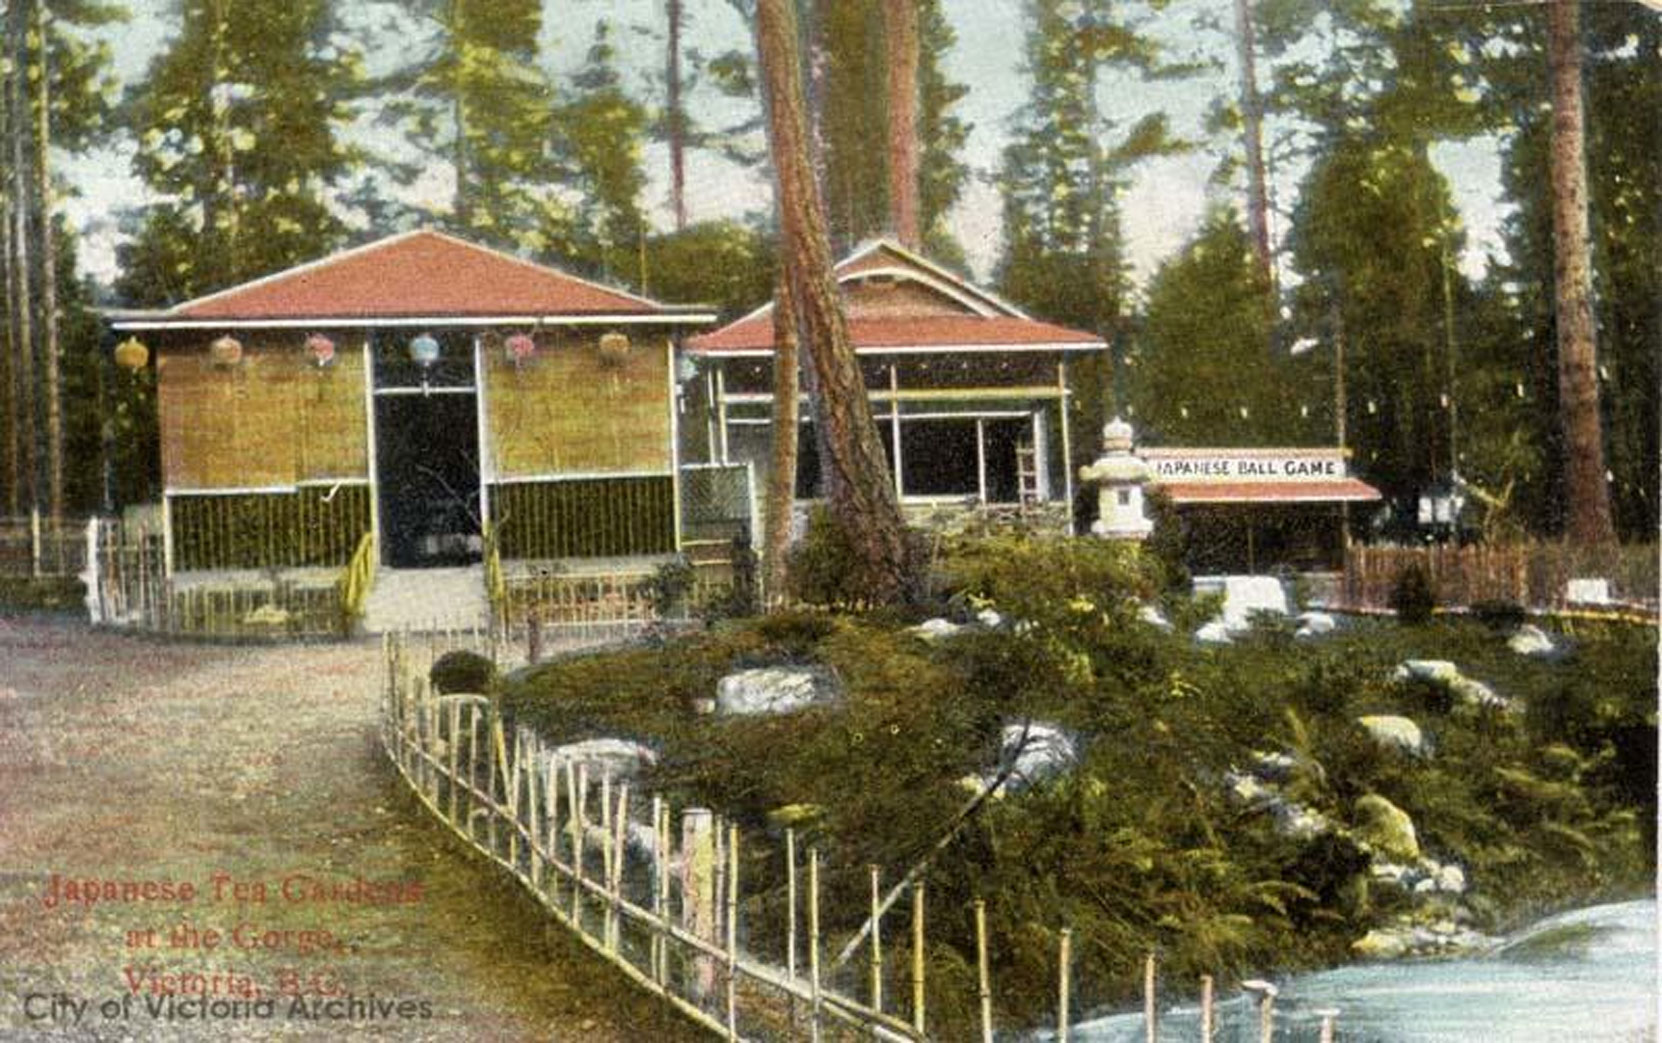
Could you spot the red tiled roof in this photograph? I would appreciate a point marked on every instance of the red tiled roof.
(1352, 489)
(755, 333)
(417, 274)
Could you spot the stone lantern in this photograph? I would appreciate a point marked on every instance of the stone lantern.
(1119, 475)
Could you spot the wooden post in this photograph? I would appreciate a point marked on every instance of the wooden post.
(1206, 1013)
(732, 932)
(698, 891)
(606, 856)
(579, 823)
(1266, 992)
(620, 827)
(450, 755)
(34, 542)
(1151, 1015)
(983, 978)
(813, 942)
(551, 827)
(790, 903)
(876, 940)
(1064, 968)
(1330, 1020)
(918, 961)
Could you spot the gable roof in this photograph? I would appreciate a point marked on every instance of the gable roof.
(420, 275)
(969, 318)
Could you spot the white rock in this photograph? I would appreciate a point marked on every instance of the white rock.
(1398, 732)
(1476, 693)
(619, 758)
(1214, 633)
(1276, 767)
(989, 618)
(772, 689)
(1531, 640)
(1380, 945)
(1244, 595)
(1315, 624)
(1439, 670)
(1249, 790)
(936, 629)
(1298, 821)
(1152, 615)
(1039, 750)
(1451, 880)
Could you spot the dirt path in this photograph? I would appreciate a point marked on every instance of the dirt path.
(130, 760)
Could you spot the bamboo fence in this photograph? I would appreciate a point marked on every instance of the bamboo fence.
(31, 548)
(660, 892)
(1533, 575)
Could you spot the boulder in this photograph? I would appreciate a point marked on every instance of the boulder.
(1445, 673)
(1039, 751)
(989, 618)
(1380, 944)
(1299, 821)
(1274, 767)
(1214, 633)
(1244, 595)
(1451, 880)
(1385, 828)
(1152, 615)
(618, 758)
(1531, 640)
(1396, 732)
(1315, 624)
(937, 629)
(773, 689)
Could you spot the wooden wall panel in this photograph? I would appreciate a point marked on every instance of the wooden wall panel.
(564, 411)
(273, 419)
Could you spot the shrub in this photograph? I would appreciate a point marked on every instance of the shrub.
(462, 671)
(669, 586)
(1412, 596)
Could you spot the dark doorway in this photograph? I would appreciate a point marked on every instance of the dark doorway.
(427, 473)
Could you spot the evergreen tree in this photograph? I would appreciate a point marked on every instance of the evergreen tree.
(236, 124)
(474, 99)
(598, 135)
(1200, 375)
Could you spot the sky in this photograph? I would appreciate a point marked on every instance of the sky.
(1162, 206)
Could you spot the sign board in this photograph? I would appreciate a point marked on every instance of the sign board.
(1236, 465)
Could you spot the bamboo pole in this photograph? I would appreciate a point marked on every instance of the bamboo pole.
(1330, 1021)
(620, 827)
(450, 758)
(1064, 968)
(983, 977)
(790, 903)
(1151, 1016)
(1207, 1017)
(733, 932)
(655, 947)
(876, 939)
(580, 797)
(608, 919)
(813, 943)
(918, 961)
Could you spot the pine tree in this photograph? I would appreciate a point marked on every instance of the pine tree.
(598, 136)
(473, 98)
(237, 133)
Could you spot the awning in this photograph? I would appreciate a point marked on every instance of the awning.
(1338, 490)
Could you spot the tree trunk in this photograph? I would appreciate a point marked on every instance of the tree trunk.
(675, 118)
(864, 502)
(14, 396)
(900, 25)
(781, 494)
(1586, 494)
(1252, 132)
(49, 285)
(21, 298)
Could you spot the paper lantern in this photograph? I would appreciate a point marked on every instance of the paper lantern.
(424, 350)
(321, 349)
(614, 348)
(131, 355)
(225, 351)
(520, 347)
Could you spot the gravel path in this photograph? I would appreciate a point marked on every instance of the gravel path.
(129, 760)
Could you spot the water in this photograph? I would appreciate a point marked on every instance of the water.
(1588, 976)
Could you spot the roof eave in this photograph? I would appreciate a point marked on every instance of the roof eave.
(163, 321)
(911, 349)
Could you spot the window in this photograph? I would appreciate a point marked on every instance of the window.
(940, 458)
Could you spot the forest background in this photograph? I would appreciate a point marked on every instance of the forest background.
(1345, 212)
